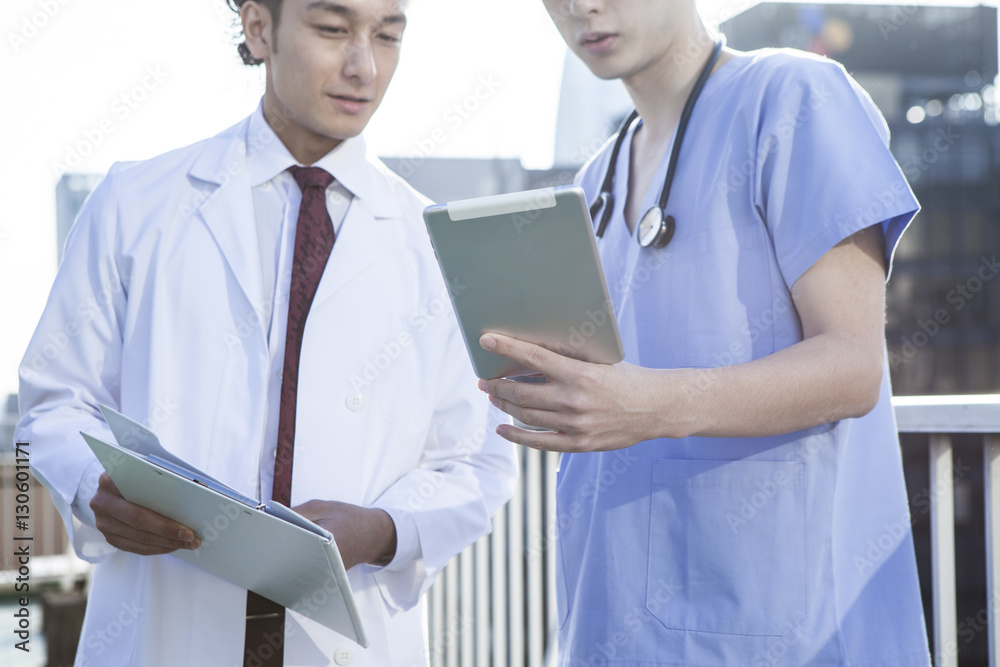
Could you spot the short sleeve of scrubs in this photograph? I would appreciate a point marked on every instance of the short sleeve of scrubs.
(824, 170)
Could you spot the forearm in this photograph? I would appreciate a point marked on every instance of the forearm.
(835, 372)
(818, 380)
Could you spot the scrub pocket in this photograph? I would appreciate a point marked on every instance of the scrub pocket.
(727, 546)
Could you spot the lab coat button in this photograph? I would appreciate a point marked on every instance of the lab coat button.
(355, 402)
(343, 656)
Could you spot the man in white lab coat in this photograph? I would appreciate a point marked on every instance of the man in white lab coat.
(172, 306)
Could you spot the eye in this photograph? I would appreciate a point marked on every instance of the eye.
(331, 29)
(389, 38)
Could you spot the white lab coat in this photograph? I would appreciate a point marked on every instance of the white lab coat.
(157, 311)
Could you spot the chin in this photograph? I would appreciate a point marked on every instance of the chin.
(603, 68)
(607, 74)
(342, 131)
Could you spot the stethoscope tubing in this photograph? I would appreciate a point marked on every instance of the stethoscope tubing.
(605, 199)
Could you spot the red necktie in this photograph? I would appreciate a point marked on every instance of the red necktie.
(314, 237)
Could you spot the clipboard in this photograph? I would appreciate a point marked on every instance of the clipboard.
(525, 265)
(263, 547)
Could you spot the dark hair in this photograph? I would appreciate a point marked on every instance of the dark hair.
(273, 6)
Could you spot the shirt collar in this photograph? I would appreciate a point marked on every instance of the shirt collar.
(267, 158)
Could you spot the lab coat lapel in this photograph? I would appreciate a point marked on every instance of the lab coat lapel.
(228, 210)
(362, 240)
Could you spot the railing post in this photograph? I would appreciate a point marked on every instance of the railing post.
(515, 563)
(498, 584)
(483, 601)
(991, 493)
(467, 599)
(451, 613)
(943, 552)
(436, 623)
(551, 527)
(536, 563)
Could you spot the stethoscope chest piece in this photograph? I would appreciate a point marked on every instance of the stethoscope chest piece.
(655, 230)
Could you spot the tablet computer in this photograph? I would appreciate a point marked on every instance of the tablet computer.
(525, 265)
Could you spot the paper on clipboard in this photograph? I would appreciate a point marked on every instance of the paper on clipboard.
(130, 434)
(268, 549)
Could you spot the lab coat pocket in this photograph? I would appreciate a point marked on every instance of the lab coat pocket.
(727, 545)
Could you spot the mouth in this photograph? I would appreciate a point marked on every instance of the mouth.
(597, 42)
(350, 103)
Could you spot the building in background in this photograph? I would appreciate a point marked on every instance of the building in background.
(8, 420)
(931, 71)
(71, 191)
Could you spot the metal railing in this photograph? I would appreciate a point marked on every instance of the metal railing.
(495, 604)
(941, 417)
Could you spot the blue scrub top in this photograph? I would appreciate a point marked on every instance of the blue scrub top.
(785, 550)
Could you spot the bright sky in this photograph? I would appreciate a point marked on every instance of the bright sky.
(135, 78)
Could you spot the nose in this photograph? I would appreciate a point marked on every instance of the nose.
(581, 8)
(359, 63)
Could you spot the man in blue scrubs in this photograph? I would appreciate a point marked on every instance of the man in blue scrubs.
(756, 513)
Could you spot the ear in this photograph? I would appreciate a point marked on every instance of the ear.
(257, 29)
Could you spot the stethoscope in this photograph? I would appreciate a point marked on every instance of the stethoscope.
(656, 228)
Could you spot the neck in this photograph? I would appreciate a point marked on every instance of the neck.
(660, 90)
(306, 146)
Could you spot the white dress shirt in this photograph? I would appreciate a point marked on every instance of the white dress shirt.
(276, 200)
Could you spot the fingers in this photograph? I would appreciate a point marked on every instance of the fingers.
(539, 404)
(533, 356)
(543, 440)
(544, 405)
(314, 510)
(531, 416)
(577, 402)
(105, 482)
(127, 538)
(135, 529)
(519, 393)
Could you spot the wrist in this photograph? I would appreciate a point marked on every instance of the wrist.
(383, 537)
(85, 493)
(679, 400)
